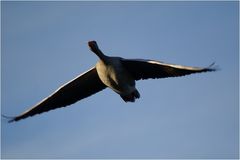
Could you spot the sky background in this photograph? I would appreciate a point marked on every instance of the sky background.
(44, 45)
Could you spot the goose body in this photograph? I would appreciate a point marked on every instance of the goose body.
(117, 73)
(116, 77)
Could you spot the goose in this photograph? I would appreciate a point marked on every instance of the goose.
(116, 73)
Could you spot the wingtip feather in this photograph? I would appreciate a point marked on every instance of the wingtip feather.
(213, 67)
(10, 119)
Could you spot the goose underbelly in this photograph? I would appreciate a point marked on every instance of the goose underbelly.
(116, 78)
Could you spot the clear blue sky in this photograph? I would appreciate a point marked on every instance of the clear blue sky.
(44, 44)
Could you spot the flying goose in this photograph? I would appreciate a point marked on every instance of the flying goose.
(117, 73)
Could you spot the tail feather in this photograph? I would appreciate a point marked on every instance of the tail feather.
(131, 97)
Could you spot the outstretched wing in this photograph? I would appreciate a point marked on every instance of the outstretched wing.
(144, 69)
(81, 87)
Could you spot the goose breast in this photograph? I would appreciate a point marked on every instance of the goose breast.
(115, 76)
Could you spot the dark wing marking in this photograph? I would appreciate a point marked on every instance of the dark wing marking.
(144, 69)
(81, 87)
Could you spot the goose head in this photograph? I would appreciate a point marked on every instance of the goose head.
(94, 48)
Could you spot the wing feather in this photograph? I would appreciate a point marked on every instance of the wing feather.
(79, 88)
(144, 69)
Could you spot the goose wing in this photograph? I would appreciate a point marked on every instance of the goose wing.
(81, 87)
(144, 69)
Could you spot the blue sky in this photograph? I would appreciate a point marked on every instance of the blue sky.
(44, 44)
